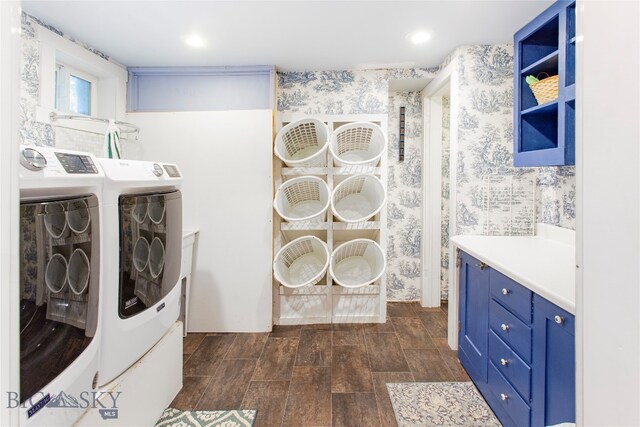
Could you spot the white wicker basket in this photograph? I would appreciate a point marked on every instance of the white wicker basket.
(358, 198)
(301, 262)
(305, 198)
(358, 144)
(303, 143)
(357, 263)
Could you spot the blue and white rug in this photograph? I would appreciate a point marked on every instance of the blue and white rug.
(177, 418)
(440, 404)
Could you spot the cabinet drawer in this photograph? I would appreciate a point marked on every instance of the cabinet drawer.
(510, 329)
(511, 294)
(510, 365)
(507, 397)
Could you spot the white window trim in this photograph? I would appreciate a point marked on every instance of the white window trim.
(72, 71)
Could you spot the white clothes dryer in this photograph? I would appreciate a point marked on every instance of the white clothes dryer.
(142, 259)
(60, 272)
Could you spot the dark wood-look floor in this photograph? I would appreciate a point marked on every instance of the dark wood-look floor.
(319, 375)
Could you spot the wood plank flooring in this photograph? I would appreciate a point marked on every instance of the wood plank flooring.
(319, 375)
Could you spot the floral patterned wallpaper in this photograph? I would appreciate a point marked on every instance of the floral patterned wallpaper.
(340, 92)
(31, 131)
(444, 222)
(404, 198)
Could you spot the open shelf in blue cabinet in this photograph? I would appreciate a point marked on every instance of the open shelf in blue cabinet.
(544, 135)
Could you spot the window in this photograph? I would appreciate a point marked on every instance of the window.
(74, 90)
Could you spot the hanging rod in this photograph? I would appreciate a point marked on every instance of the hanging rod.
(132, 128)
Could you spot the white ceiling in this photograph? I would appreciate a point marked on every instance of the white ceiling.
(293, 35)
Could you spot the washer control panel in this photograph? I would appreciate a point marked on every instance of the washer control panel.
(76, 163)
(172, 171)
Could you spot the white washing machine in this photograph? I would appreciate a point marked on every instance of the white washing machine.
(60, 272)
(142, 219)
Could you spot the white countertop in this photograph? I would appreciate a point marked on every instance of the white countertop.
(188, 232)
(545, 263)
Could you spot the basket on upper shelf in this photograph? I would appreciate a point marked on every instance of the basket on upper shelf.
(544, 90)
(303, 143)
(358, 144)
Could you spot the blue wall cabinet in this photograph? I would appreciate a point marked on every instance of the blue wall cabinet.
(544, 135)
(554, 376)
(517, 347)
(473, 317)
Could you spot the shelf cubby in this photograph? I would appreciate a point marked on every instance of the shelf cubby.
(540, 43)
(326, 301)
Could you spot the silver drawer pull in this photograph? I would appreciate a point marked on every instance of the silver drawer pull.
(505, 291)
(504, 362)
(504, 327)
(559, 320)
(503, 396)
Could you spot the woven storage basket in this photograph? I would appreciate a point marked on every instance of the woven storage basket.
(357, 263)
(359, 144)
(545, 90)
(301, 262)
(305, 198)
(303, 143)
(358, 198)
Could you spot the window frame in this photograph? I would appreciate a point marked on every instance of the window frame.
(64, 70)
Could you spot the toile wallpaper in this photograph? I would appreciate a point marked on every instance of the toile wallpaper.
(444, 219)
(404, 199)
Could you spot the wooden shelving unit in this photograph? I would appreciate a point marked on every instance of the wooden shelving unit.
(326, 302)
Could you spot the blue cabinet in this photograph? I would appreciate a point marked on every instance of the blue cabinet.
(554, 378)
(517, 347)
(544, 134)
(473, 317)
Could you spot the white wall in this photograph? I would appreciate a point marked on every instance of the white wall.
(9, 199)
(226, 161)
(608, 227)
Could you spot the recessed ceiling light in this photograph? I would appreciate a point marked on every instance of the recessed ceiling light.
(194, 40)
(418, 37)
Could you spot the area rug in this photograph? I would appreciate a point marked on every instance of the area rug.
(440, 404)
(177, 418)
